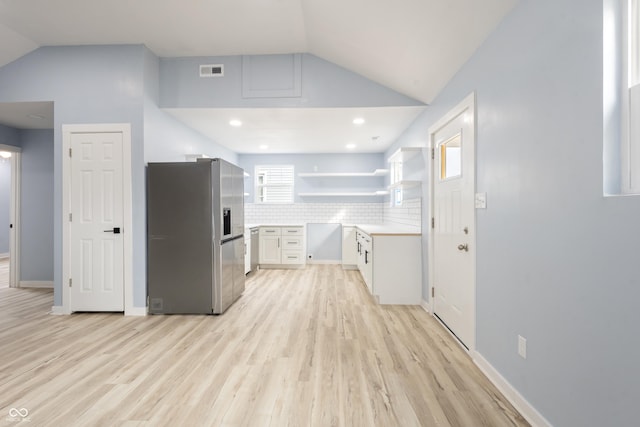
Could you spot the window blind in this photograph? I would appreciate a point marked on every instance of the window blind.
(274, 183)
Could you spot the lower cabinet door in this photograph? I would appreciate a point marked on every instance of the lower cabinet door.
(270, 249)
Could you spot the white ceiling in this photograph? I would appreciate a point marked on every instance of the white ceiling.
(27, 115)
(300, 130)
(411, 46)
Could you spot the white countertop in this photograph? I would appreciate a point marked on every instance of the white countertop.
(388, 229)
(370, 229)
(271, 224)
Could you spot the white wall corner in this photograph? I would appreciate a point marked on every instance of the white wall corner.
(513, 396)
(136, 311)
(58, 310)
(425, 305)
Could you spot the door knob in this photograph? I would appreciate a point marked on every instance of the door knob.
(114, 230)
(464, 247)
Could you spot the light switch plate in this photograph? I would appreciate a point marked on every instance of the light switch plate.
(522, 346)
(481, 200)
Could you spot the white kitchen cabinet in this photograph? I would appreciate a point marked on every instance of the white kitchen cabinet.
(391, 266)
(282, 247)
(365, 258)
(270, 245)
(349, 248)
(247, 251)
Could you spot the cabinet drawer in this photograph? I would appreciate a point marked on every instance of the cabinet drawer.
(270, 231)
(292, 257)
(291, 243)
(292, 231)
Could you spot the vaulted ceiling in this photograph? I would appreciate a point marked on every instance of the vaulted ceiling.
(411, 46)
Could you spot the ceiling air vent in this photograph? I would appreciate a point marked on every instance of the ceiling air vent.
(212, 70)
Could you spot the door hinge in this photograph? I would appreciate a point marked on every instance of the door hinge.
(433, 292)
(69, 152)
(70, 281)
(433, 153)
(70, 217)
(433, 222)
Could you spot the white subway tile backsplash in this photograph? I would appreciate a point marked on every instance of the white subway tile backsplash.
(409, 214)
(370, 213)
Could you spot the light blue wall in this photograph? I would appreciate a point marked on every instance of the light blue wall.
(324, 242)
(88, 84)
(321, 163)
(165, 138)
(323, 85)
(36, 205)
(9, 136)
(556, 261)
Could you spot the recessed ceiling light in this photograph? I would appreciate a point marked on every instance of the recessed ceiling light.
(235, 123)
(358, 121)
(264, 146)
(351, 146)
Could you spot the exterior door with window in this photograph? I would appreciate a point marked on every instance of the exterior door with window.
(453, 234)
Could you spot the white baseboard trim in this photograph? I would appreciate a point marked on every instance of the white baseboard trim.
(4, 255)
(41, 284)
(136, 311)
(133, 311)
(57, 310)
(517, 400)
(426, 306)
(324, 261)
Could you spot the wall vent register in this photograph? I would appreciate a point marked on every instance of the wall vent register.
(212, 70)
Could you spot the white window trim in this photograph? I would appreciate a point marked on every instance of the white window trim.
(630, 69)
(257, 186)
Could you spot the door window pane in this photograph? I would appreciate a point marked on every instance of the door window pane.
(451, 158)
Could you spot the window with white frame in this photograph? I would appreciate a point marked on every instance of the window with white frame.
(274, 183)
(631, 87)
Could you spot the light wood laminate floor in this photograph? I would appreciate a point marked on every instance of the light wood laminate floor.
(300, 348)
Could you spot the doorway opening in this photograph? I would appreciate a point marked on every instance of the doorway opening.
(9, 202)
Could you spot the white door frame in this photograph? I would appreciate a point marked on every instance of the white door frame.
(467, 105)
(14, 215)
(127, 235)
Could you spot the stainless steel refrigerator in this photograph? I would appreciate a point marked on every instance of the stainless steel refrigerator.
(195, 241)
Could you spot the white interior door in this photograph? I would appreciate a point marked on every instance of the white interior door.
(453, 233)
(96, 222)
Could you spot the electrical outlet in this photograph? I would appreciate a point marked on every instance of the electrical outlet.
(522, 347)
